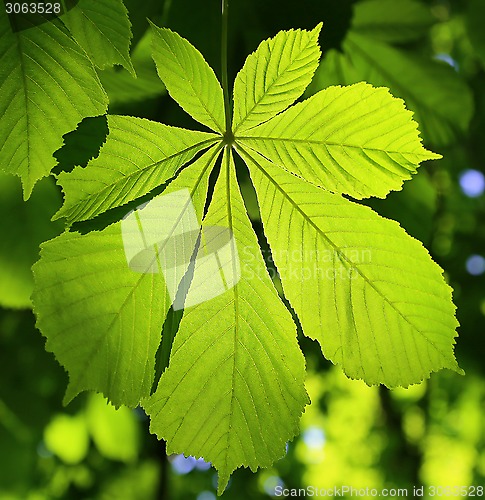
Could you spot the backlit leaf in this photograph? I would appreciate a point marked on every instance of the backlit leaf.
(102, 29)
(233, 392)
(274, 76)
(102, 320)
(369, 293)
(357, 140)
(188, 78)
(230, 388)
(138, 156)
(48, 86)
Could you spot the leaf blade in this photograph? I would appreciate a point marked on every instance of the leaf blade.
(50, 85)
(138, 155)
(254, 362)
(188, 78)
(102, 320)
(102, 29)
(357, 140)
(386, 319)
(281, 68)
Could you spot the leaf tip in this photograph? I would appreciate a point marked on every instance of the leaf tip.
(70, 394)
(222, 482)
(152, 24)
(433, 156)
(317, 30)
(27, 187)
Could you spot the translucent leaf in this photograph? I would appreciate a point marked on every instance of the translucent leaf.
(102, 319)
(48, 86)
(357, 140)
(102, 29)
(188, 78)
(392, 20)
(138, 156)
(274, 76)
(369, 293)
(441, 100)
(233, 392)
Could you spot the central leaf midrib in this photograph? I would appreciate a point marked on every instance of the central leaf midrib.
(235, 302)
(323, 142)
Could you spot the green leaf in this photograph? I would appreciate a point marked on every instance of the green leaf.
(392, 20)
(48, 86)
(369, 293)
(138, 156)
(233, 392)
(102, 320)
(357, 140)
(188, 78)
(441, 100)
(274, 76)
(102, 29)
(24, 226)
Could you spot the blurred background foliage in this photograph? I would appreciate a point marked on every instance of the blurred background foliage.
(429, 52)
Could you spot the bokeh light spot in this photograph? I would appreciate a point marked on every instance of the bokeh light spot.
(183, 465)
(206, 495)
(448, 60)
(201, 464)
(472, 183)
(475, 265)
(271, 483)
(314, 437)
